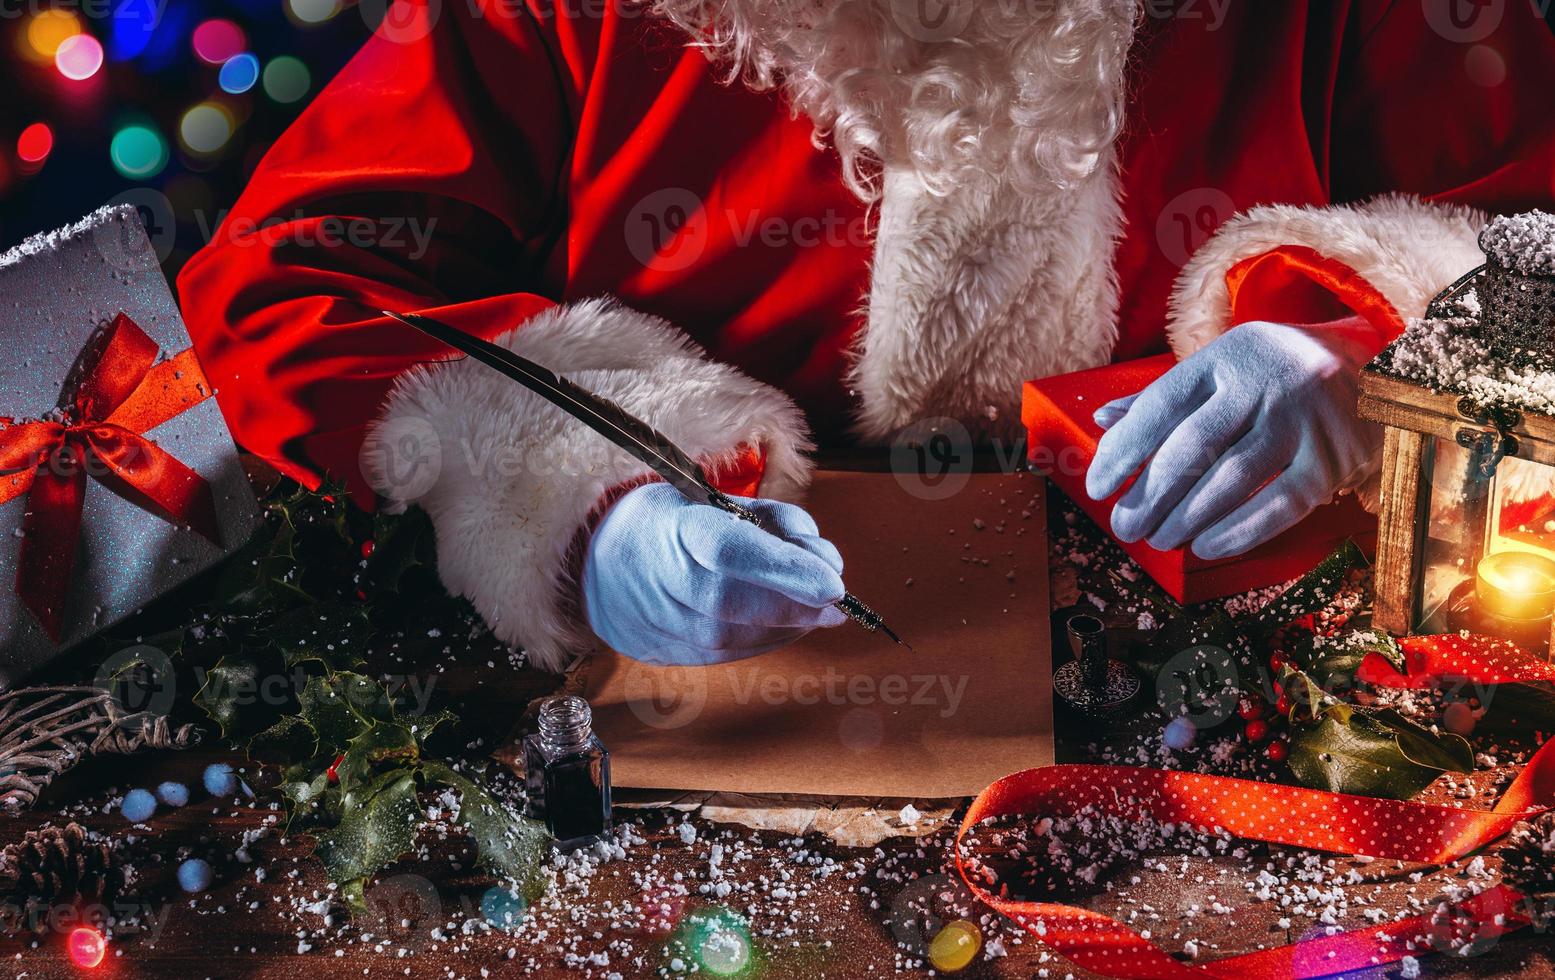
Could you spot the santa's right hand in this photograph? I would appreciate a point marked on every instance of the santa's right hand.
(670, 582)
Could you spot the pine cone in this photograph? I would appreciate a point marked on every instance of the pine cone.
(1528, 860)
(58, 865)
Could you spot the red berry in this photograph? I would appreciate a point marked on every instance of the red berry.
(1277, 750)
(1257, 730)
(361, 595)
(1249, 710)
(1277, 662)
(1282, 704)
(367, 548)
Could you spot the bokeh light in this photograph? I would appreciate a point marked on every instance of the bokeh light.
(133, 25)
(215, 41)
(79, 57)
(87, 946)
(167, 42)
(286, 79)
(717, 941)
(312, 11)
(138, 152)
(953, 947)
(239, 74)
(46, 32)
(503, 909)
(35, 144)
(205, 129)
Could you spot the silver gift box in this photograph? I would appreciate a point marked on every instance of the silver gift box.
(57, 291)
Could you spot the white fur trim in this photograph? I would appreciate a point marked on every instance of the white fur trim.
(976, 291)
(1029, 92)
(510, 480)
(989, 138)
(1407, 248)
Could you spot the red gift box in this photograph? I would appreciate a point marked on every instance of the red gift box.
(1062, 441)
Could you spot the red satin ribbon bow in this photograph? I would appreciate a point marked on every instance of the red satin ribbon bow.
(121, 393)
(1333, 822)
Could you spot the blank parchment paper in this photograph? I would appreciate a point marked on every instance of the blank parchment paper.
(962, 578)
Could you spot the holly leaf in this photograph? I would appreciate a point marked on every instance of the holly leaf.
(429, 724)
(401, 543)
(507, 843)
(1437, 750)
(259, 577)
(1306, 595)
(384, 741)
(378, 827)
(1333, 661)
(232, 696)
(1348, 752)
(333, 708)
(289, 738)
(305, 788)
(332, 634)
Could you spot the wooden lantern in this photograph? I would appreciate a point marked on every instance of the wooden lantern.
(1466, 536)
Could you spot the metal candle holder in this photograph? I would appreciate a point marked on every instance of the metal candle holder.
(1094, 684)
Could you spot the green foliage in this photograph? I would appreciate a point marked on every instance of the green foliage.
(1373, 753)
(1333, 745)
(281, 641)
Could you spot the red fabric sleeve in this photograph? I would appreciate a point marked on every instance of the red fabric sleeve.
(1454, 107)
(1297, 284)
(406, 185)
(1451, 102)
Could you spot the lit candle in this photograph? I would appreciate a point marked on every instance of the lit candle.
(1516, 585)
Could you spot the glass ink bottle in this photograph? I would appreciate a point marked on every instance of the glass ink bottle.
(567, 774)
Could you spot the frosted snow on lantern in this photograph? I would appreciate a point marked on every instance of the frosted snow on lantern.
(1466, 398)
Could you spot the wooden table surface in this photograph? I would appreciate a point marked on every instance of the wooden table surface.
(814, 909)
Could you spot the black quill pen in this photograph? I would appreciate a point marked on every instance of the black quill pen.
(620, 427)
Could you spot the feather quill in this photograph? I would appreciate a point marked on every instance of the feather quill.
(622, 428)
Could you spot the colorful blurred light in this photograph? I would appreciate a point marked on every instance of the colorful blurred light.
(79, 57)
(133, 25)
(35, 144)
(47, 31)
(503, 909)
(717, 940)
(313, 11)
(205, 129)
(953, 948)
(138, 152)
(286, 79)
(87, 946)
(217, 40)
(239, 74)
(166, 37)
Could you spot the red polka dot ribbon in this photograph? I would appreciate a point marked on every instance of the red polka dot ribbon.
(1289, 815)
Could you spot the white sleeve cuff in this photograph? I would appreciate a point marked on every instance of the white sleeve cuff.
(509, 480)
(1408, 249)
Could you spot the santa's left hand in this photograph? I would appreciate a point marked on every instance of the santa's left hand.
(1241, 440)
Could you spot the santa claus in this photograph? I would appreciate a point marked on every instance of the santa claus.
(751, 221)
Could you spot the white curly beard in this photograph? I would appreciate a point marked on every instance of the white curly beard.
(1030, 90)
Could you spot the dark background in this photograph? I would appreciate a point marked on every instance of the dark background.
(152, 76)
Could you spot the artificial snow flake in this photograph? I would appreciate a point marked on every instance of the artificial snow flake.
(1524, 243)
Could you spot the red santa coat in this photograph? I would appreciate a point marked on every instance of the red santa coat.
(499, 171)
